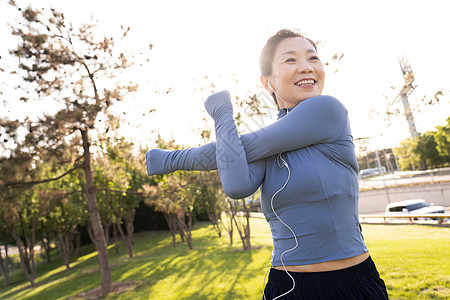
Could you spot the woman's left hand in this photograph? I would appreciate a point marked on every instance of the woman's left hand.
(217, 103)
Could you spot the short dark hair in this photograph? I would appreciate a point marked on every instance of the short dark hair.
(267, 53)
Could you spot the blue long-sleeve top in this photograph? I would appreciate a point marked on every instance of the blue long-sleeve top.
(320, 201)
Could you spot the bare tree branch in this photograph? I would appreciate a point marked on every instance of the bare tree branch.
(14, 184)
(34, 182)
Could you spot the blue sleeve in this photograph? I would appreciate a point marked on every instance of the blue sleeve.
(320, 119)
(316, 120)
(160, 161)
(239, 179)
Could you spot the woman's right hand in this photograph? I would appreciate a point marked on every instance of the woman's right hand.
(153, 160)
(217, 103)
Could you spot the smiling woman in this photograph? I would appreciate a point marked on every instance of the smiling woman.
(289, 62)
(306, 168)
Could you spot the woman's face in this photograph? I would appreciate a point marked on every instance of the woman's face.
(297, 72)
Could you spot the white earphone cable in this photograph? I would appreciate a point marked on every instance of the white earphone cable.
(287, 111)
(295, 237)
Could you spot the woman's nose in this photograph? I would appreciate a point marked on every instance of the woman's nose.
(304, 67)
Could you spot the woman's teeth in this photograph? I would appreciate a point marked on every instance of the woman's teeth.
(305, 82)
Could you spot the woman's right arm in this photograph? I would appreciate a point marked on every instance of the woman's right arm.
(160, 161)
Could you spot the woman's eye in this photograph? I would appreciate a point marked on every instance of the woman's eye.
(314, 58)
(290, 60)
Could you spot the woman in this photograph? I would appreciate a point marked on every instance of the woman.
(307, 170)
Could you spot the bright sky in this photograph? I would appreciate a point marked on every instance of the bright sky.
(194, 39)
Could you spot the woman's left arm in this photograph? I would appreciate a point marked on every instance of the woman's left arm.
(315, 120)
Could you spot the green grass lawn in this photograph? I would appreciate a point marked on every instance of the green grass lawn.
(414, 261)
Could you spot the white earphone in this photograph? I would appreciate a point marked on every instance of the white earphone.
(285, 164)
(268, 83)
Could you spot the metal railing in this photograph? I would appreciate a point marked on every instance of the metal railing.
(440, 218)
(399, 178)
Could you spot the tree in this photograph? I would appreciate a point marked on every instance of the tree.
(442, 137)
(211, 198)
(190, 184)
(120, 176)
(20, 211)
(168, 193)
(425, 149)
(4, 262)
(137, 178)
(5, 238)
(405, 152)
(421, 152)
(24, 232)
(63, 211)
(228, 222)
(164, 197)
(240, 214)
(175, 195)
(79, 71)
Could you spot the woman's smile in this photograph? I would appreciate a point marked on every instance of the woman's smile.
(306, 83)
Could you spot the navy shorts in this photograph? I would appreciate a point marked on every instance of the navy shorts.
(357, 282)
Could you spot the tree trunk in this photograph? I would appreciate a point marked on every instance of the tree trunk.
(130, 234)
(423, 165)
(129, 222)
(122, 234)
(107, 229)
(247, 226)
(127, 239)
(4, 265)
(78, 241)
(185, 228)
(64, 247)
(24, 262)
(60, 250)
(189, 230)
(181, 232)
(114, 230)
(67, 247)
(212, 216)
(230, 230)
(229, 227)
(170, 218)
(179, 225)
(46, 245)
(243, 240)
(100, 243)
(31, 241)
(90, 232)
(239, 229)
(70, 241)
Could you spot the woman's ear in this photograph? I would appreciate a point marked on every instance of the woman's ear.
(265, 83)
(269, 89)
